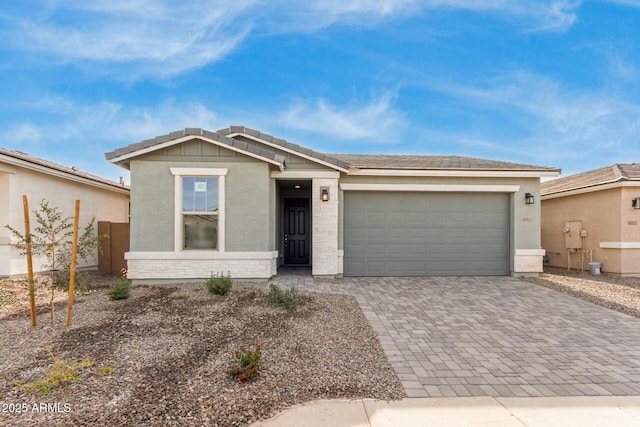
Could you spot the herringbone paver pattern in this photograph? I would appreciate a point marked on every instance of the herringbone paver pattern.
(493, 336)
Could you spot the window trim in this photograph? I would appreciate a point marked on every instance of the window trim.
(178, 231)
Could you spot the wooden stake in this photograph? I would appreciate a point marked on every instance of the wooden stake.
(72, 272)
(27, 233)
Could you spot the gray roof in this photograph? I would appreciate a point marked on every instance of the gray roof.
(216, 136)
(340, 161)
(424, 162)
(73, 171)
(328, 158)
(593, 178)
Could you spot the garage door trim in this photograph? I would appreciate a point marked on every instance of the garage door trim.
(446, 188)
(375, 245)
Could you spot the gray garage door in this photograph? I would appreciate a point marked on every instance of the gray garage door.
(425, 234)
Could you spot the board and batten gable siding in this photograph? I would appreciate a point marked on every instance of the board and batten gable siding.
(102, 204)
(249, 197)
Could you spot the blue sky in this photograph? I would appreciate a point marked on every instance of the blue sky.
(553, 83)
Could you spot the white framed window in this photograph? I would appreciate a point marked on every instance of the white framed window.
(199, 209)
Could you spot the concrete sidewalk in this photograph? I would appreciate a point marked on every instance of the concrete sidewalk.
(465, 411)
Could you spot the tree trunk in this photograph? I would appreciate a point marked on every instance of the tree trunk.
(52, 276)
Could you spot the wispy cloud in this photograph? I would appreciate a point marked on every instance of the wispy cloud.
(142, 38)
(79, 123)
(134, 39)
(88, 130)
(311, 15)
(374, 121)
(557, 123)
(541, 15)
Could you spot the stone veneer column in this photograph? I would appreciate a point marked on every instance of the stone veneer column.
(324, 234)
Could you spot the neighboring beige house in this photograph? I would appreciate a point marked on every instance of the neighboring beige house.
(22, 174)
(241, 201)
(594, 215)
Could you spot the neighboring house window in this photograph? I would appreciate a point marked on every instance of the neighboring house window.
(199, 216)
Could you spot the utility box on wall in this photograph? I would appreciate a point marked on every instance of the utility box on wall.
(572, 237)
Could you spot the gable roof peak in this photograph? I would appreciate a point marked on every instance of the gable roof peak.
(156, 143)
(283, 144)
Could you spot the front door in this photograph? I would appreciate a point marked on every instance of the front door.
(296, 231)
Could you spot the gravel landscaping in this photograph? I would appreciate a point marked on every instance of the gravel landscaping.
(160, 357)
(609, 290)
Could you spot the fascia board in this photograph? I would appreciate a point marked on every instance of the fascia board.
(459, 173)
(591, 189)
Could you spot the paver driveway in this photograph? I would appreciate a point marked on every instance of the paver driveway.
(494, 336)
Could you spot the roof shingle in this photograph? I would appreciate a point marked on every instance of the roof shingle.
(341, 161)
(425, 162)
(608, 174)
(285, 144)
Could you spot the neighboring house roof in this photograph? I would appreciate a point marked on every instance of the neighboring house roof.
(593, 179)
(20, 159)
(342, 162)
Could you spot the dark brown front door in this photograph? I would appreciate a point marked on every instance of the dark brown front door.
(296, 231)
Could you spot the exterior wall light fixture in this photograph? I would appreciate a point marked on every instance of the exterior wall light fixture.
(635, 203)
(528, 199)
(324, 194)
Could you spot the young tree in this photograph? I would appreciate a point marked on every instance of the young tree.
(51, 237)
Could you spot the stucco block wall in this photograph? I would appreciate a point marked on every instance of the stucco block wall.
(102, 204)
(5, 236)
(249, 211)
(607, 216)
(152, 200)
(630, 232)
(249, 217)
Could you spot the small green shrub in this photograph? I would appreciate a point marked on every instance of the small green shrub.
(6, 298)
(290, 299)
(249, 360)
(119, 290)
(61, 373)
(105, 370)
(219, 284)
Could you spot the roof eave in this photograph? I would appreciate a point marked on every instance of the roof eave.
(608, 185)
(475, 173)
(60, 173)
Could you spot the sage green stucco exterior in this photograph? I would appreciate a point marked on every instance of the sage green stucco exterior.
(259, 171)
(250, 203)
